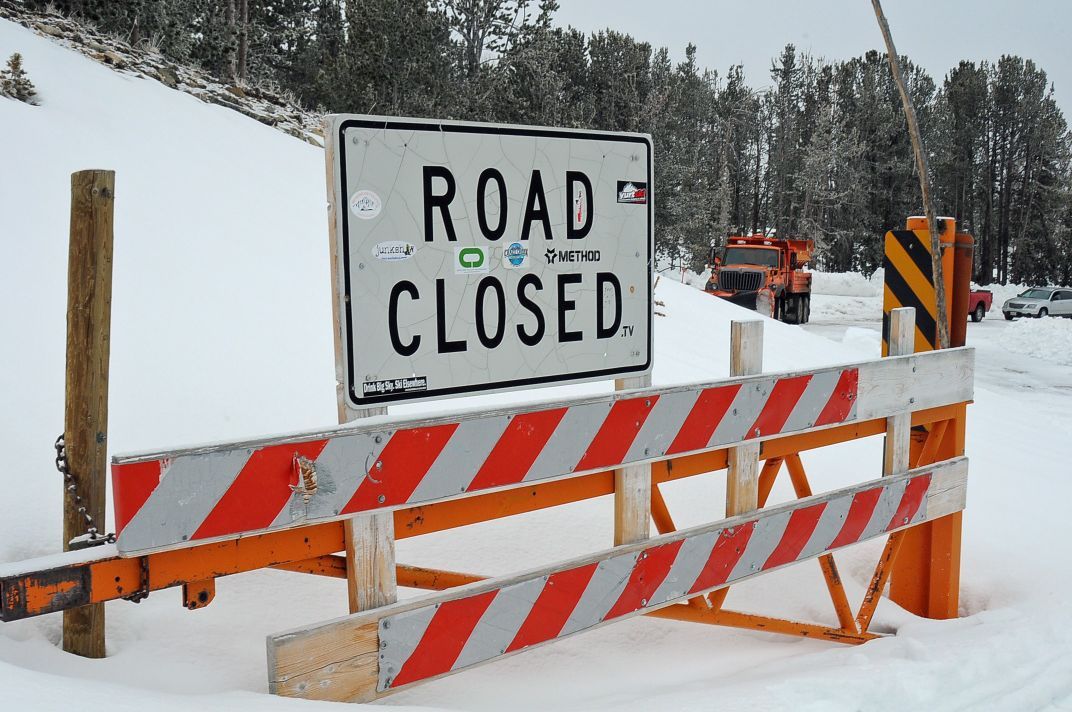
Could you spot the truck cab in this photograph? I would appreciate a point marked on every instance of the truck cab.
(764, 274)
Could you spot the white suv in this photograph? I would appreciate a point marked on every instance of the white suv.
(1039, 303)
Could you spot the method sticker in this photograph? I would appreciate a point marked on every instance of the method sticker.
(365, 204)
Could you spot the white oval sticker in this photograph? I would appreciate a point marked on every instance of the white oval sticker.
(393, 251)
(365, 204)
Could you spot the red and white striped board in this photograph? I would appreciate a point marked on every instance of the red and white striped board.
(367, 654)
(192, 496)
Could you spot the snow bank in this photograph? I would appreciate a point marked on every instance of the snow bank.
(847, 284)
(1046, 339)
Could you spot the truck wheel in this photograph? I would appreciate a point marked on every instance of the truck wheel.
(789, 310)
(800, 312)
(807, 309)
(979, 313)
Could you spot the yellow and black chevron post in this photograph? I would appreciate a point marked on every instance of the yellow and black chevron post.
(909, 278)
(926, 571)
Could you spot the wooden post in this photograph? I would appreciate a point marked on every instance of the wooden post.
(899, 427)
(370, 538)
(370, 561)
(85, 421)
(742, 473)
(632, 488)
(370, 543)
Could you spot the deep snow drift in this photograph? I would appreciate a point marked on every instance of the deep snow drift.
(222, 329)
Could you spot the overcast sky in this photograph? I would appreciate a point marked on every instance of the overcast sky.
(934, 33)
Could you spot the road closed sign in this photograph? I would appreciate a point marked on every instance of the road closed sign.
(479, 257)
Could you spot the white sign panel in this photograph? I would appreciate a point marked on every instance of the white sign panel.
(479, 257)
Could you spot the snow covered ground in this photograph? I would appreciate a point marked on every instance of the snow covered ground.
(221, 329)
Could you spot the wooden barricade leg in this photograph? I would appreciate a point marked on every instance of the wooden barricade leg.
(370, 541)
(89, 304)
(632, 488)
(894, 461)
(370, 561)
(902, 341)
(742, 475)
(742, 471)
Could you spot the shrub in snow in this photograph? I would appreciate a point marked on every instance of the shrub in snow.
(14, 82)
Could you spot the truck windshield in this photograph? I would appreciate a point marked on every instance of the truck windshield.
(1037, 294)
(751, 256)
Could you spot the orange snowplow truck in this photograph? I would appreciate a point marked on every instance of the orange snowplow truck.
(765, 274)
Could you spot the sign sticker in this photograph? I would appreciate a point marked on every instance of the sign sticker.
(515, 256)
(395, 385)
(632, 191)
(393, 251)
(365, 204)
(471, 260)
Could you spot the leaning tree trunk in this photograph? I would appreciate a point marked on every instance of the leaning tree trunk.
(924, 176)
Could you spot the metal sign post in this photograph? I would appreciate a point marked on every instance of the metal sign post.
(479, 257)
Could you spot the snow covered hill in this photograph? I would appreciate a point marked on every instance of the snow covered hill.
(222, 329)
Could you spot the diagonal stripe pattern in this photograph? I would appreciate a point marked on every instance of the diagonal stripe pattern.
(202, 496)
(439, 638)
(909, 282)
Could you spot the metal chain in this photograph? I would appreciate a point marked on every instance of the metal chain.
(70, 486)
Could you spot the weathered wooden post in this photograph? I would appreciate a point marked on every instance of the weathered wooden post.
(899, 427)
(632, 487)
(742, 474)
(85, 426)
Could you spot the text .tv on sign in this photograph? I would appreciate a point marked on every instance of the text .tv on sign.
(478, 257)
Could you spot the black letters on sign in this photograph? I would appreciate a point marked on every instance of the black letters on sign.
(432, 201)
(566, 305)
(526, 301)
(392, 318)
(490, 174)
(603, 279)
(573, 230)
(445, 345)
(532, 212)
(494, 285)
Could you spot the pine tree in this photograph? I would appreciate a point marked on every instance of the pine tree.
(14, 82)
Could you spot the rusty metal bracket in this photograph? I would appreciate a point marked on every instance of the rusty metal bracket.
(198, 594)
(143, 592)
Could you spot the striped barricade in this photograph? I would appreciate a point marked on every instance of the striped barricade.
(181, 498)
(365, 655)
